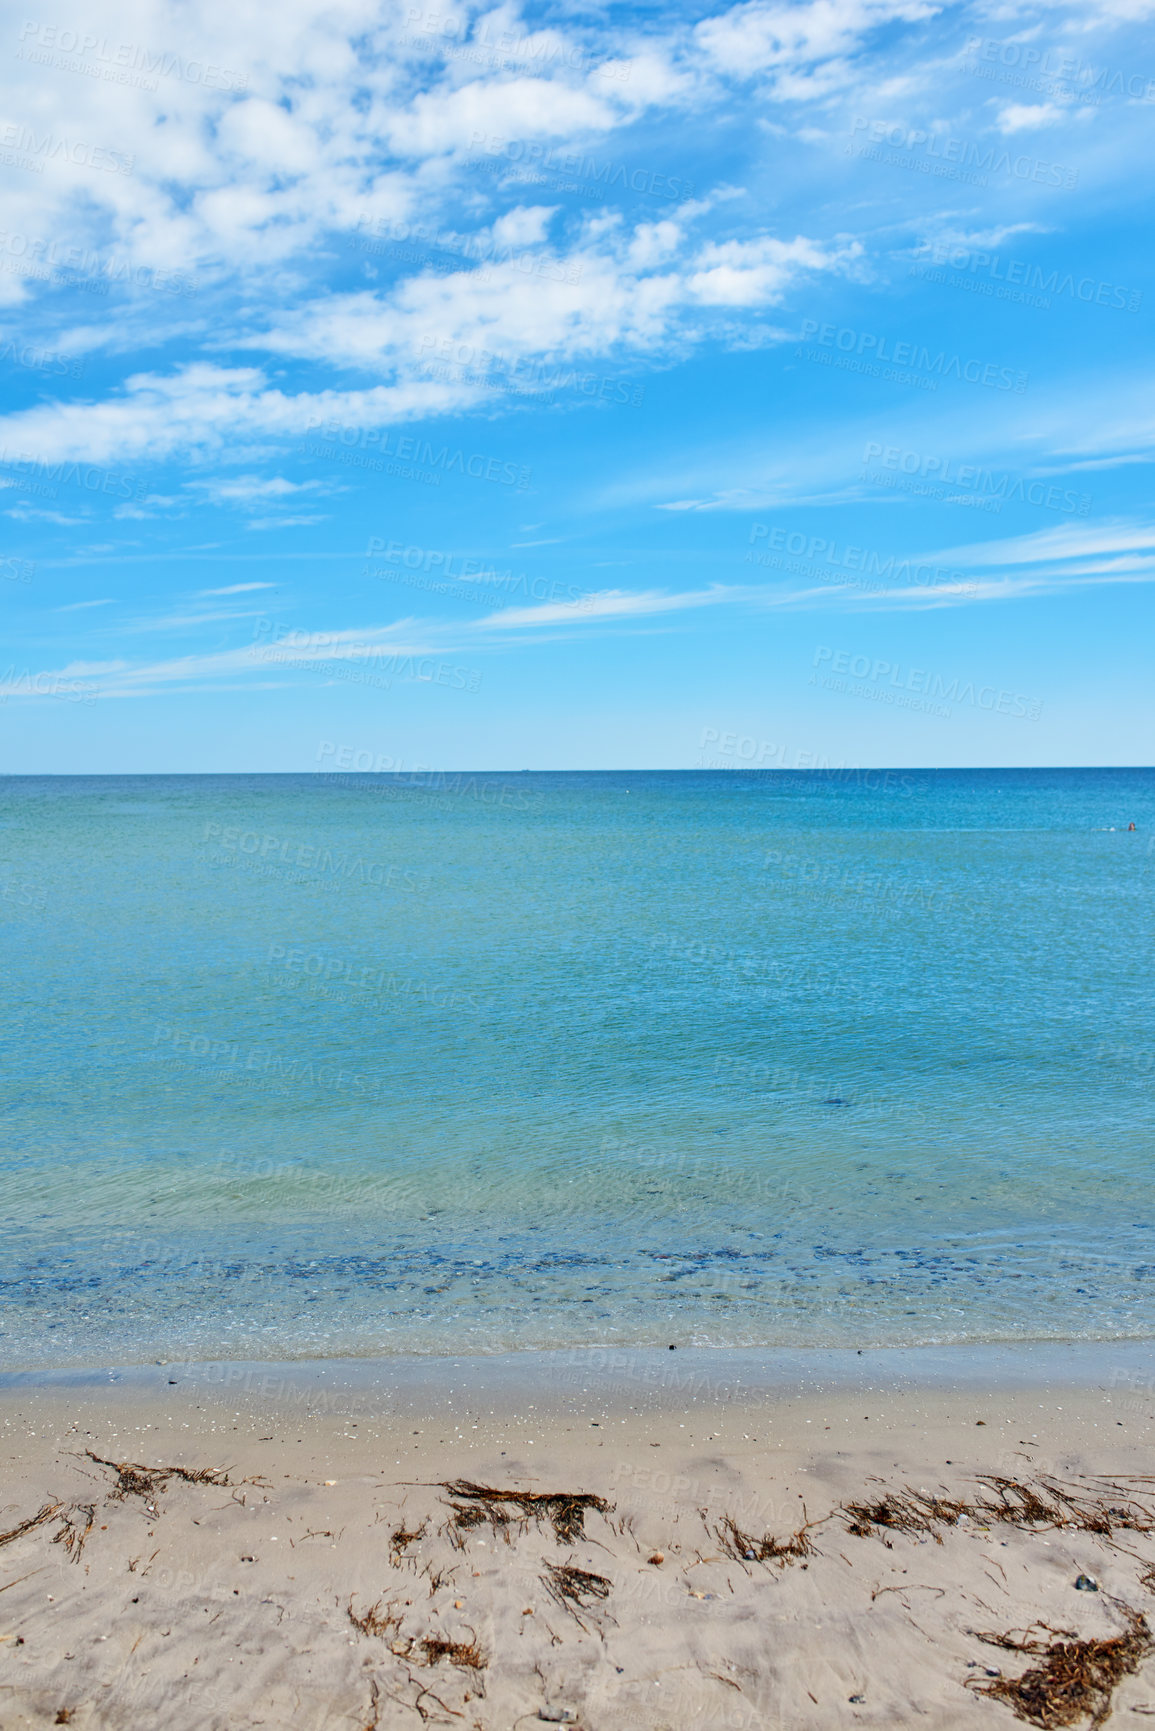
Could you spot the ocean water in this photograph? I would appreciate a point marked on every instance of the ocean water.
(355, 1065)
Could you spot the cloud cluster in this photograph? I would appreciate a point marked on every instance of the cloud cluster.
(249, 158)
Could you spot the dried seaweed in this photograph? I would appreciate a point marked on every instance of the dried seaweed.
(566, 1510)
(372, 1622)
(374, 1706)
(400, 1540)
(747, 1549)
(37, 1520)
(1076, 1680)
(465, 1516)
(904, 1512)
(1051, 1503)
(437, 1577)
(576, 1586)
(1102, 1507)
(70, 1534)
(134, 1480)
(466, 1654)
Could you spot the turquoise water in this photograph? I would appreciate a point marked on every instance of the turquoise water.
(307, 1066)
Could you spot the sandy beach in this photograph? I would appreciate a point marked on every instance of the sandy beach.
(216, 1547)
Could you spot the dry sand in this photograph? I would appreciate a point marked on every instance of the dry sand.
(333, 1583)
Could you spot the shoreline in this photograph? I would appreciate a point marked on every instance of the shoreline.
(724, 1373)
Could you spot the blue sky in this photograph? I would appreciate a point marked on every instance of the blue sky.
(576, 387)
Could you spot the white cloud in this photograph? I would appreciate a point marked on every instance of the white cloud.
(236, 589)
(523, 226)
(446, 342)
(332, 119)
(756, 37)
(1067, 541)
(608, 604)
(253, 489)
(484, 117)
(203, 406)
(758, 272)
(252, 663)
(1029, 116)
(190, 621)
(259, 523)
(981, 238)
(36, 514)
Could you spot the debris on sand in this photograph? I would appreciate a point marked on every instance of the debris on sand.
(70, 1533)
(745, 1548)
(134, 1480)
(372, 1622)
(576, 1586)
(466, 1654)
(904, 1512)
(1100, 1506)
(566, 1510)
(400, 1540)
(37, 1520)
(1076, 1679)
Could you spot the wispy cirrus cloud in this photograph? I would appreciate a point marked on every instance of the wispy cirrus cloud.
(1067, 541)
(248, 666)
(236, 589)
(609, 605)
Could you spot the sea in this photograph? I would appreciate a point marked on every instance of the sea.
(345, 1065)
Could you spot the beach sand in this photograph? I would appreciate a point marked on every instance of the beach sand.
(329, 1579)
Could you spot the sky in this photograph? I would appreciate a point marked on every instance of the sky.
(434, 386)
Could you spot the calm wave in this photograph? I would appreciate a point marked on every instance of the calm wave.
(358, 1064)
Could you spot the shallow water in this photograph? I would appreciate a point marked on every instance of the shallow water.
(308, 1066)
